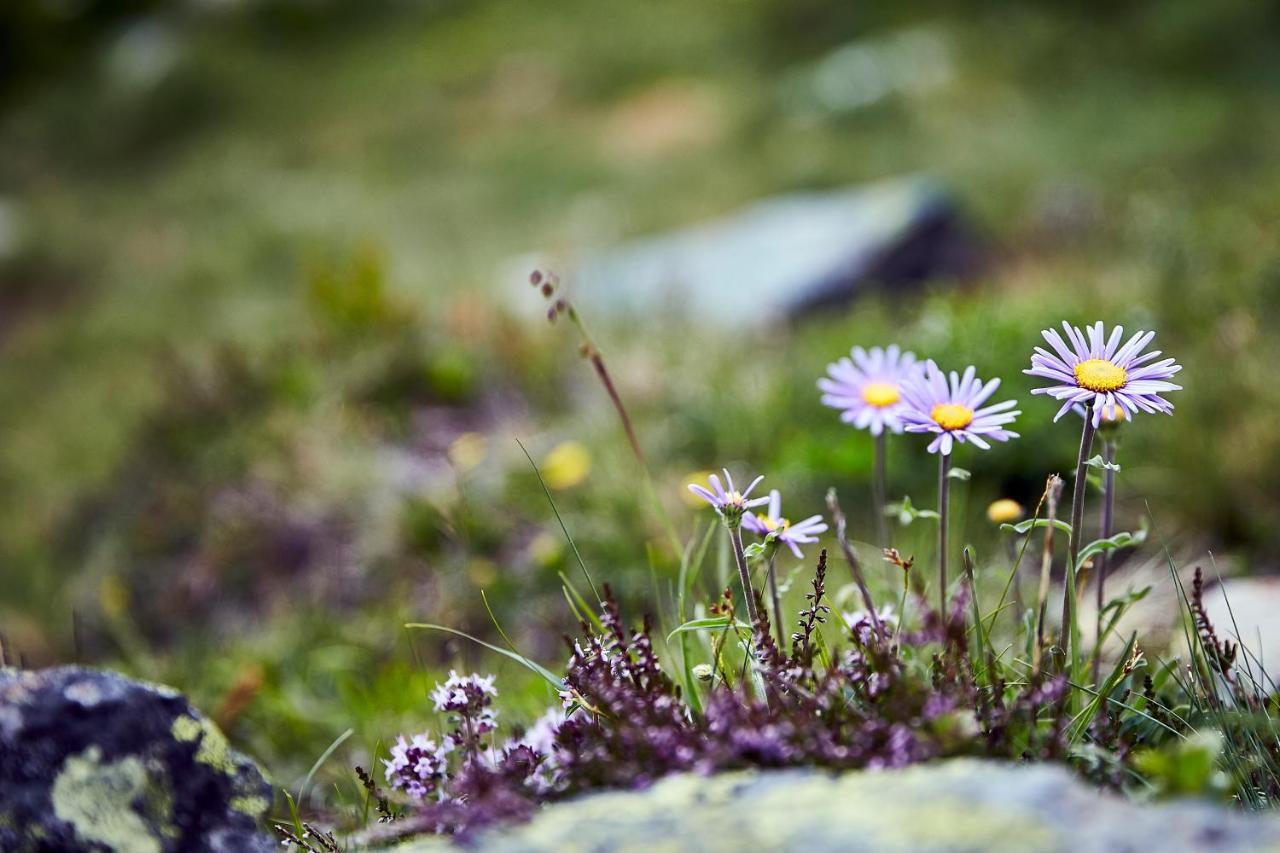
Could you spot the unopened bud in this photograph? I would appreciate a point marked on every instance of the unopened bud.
(535, 278)
(547, 289)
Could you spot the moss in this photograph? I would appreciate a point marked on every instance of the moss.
(98, 801)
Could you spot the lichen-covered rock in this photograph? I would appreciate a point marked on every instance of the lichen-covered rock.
(91, 760)
(953, 806)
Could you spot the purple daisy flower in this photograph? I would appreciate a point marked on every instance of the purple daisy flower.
(868, 387)
(729, 503)
(952, 410)
(791, 535)
(1097, 370)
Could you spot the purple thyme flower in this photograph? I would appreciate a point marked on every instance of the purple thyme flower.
(951, 410)
(419, 768)
(791, 535)
(1098, 371)
(868, 387)
(468, 699)
(730, 504)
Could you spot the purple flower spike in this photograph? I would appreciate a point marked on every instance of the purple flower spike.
(791, 535)
(868, 387)
(1095, 369)
(953, 410)
(729, 503)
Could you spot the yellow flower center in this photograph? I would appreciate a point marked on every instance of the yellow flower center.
(1098, 374)
(880, 394)
(772, 524)
(952, 415)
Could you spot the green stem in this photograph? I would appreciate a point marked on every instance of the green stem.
(944, 498)
(1108, 510)
(878, 490)
(773, 594)
(1069, 637)
(735, 538)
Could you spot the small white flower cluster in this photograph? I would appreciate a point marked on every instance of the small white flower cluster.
(418, 767)
(468, 696)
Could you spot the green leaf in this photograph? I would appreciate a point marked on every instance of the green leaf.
(515, 656)
(1120, 540)
(1024, 526)
(1099, 462)
(961, 474)
(710, 623)
(906, 512)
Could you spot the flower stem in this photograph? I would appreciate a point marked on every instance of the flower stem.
(902, 608)
(1108, 510)
(735, 537)
(592, 352)
(944, 498)
(1052, 491)
(878, 490)
(773, 594)
(1069, 637)
(851, 557)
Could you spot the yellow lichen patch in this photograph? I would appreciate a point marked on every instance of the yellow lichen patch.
(213, 751)
(97, 799)
(880, 394)
(185, 729)
(253, 806)
(952, 415)
(1098, 374)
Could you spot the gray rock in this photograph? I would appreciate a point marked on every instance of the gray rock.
(779, 259)
(954, 806)
(91, 760)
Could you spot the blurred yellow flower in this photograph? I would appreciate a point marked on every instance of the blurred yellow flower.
(468, 450)
(1005, 511)
(114, 596)
(693, 478)
(567, 465)
(482, 572)
(545, 549)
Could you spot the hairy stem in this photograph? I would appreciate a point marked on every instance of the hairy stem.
(944, 498)
(855, 566)
(1052, 491)
(879, 489)
(590, 350)
(1070, 630)
(1108, 511)
(735, 537)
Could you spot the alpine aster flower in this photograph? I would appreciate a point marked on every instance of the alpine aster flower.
(953, 410)
(1097, 370)
(868, 387)
(729, 503)
(791, 535)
